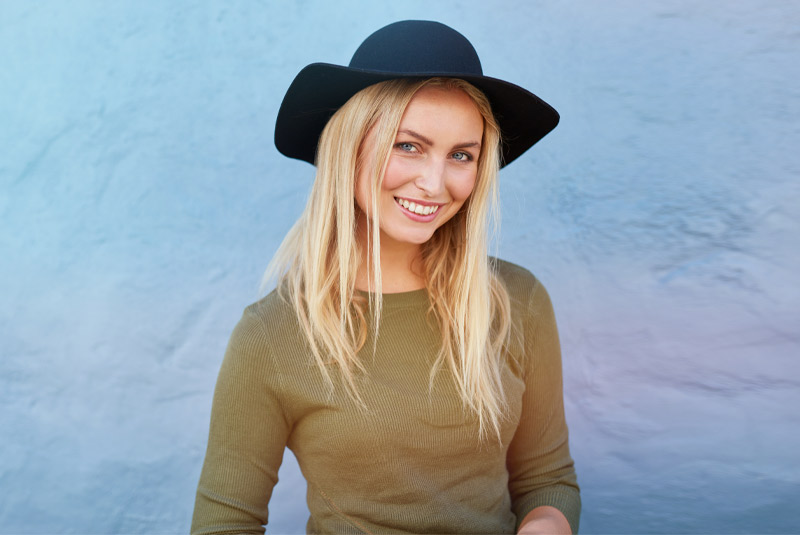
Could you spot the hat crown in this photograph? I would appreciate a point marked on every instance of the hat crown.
(417, 47)
(411, 49)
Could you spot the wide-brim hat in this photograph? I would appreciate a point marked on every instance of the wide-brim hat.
(405, 49)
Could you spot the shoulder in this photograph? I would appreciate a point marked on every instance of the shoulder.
(522, 286)
(531, 308)
(267, 328)
(512, 275)
(534, 327)
(272, 313)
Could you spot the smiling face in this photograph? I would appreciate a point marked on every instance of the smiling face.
(431, 170)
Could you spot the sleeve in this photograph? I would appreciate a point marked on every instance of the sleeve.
(247, 437)
(541, 470)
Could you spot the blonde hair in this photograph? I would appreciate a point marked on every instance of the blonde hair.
(469, 302)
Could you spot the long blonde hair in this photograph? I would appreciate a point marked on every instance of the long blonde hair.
(467, 299)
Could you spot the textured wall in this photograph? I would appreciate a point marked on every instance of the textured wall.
(141, 197)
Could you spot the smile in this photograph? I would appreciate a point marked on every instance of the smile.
(419, 209)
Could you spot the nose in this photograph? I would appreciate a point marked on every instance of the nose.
(431, 178)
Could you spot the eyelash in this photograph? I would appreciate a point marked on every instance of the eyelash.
(467, 156)
(404, 143)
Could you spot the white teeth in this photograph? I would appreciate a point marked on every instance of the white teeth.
(417, 208)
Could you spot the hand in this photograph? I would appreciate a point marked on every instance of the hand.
(545, 520)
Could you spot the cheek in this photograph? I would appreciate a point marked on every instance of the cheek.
(461, 186)
(396, 173)
(362, 193)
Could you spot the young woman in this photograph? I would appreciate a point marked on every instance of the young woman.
(416, 379)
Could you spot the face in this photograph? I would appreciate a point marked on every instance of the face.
(431, 170)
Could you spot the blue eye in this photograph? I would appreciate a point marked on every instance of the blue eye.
(407, 147)
(462, 156)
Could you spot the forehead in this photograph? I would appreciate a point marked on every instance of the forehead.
(446, 108)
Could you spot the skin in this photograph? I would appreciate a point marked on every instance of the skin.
(434, 161)
(545, 520)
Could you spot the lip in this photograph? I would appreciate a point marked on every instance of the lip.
(415, 216)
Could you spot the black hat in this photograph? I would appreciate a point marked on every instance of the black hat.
(405, 49)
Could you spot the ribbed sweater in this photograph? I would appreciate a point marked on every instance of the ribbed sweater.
(412, 461)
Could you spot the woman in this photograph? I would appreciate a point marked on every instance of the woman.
(417, 381)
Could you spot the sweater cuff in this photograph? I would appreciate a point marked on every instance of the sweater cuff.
(565, 499)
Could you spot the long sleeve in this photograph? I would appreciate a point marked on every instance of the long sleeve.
(247, 437)
(541, 470)
(414, 461)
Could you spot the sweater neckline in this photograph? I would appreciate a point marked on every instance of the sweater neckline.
(400, 299)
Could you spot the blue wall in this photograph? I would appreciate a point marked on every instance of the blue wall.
(141, 197)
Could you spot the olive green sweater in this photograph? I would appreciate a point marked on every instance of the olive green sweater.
(412, 462)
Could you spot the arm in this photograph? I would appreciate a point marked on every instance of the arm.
(247, 437)
(542, 481)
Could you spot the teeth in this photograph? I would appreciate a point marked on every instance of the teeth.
(417, 208)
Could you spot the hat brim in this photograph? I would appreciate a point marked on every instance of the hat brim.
(322, 88)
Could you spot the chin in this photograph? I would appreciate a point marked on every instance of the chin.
(413, 238)
(417, 241)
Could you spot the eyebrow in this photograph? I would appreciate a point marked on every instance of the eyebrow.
(467, 144)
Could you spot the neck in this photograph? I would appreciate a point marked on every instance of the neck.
(400, 267)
